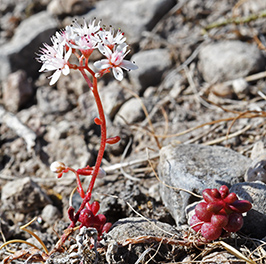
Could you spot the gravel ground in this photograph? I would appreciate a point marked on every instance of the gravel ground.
(201, 77)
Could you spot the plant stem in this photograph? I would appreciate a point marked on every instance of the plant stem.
(94, 88)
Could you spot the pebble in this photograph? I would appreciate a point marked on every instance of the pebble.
(229, 59)
(50, 214)
(17, 91)
(149, 74)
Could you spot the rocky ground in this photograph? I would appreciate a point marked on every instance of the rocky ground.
(200, 86)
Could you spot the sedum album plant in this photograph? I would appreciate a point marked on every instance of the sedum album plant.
(219, 214)
(81, 41)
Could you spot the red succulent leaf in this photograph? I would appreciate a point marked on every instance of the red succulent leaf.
(215, 207)
(95, 206)
(241, 206)
(231, 197)
(224, 191)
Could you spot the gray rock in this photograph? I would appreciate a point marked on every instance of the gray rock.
(133, 17)
(113, 96)
(227, 60)
(255, 219)
(19, 53)
(132, 111)
(50, 214)
(195, 168)
(152, 64)
(17, 91)
(24, 196)
(70, 7)
(136, 226)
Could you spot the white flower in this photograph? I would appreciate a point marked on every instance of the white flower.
(115, 60)
(84, 37)
(57, 166)
(55, 58)
(85, 43)
(86, 30)
(109, 38)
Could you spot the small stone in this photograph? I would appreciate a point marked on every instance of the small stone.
(240, 86)
(152, 64)
(69, 7)
(17, 91)
(132, 111)
(154, 192)
(136, 227)
(113, 96)
(228, 60)
(223, 90)
(50, 214)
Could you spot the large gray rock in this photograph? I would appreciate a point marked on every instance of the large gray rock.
(137, 228)
(255, 219)
(195, 168)
(227, 60)
(152, 64)
(19, 53)
(23, 195)
(133, 17)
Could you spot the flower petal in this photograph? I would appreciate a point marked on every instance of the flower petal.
(102, 64)
(55, 77)
(118, 73)
(104, 50)
(66, 70)
(128, 65)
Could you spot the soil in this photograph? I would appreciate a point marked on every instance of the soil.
(239, 115)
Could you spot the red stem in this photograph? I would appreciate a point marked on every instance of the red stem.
(94, 88)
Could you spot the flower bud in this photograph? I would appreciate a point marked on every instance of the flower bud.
(57, 167)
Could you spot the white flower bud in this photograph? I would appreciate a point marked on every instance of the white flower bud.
(57, 166)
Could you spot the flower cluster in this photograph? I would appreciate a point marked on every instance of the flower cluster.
(82, 40)
(220, 212)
